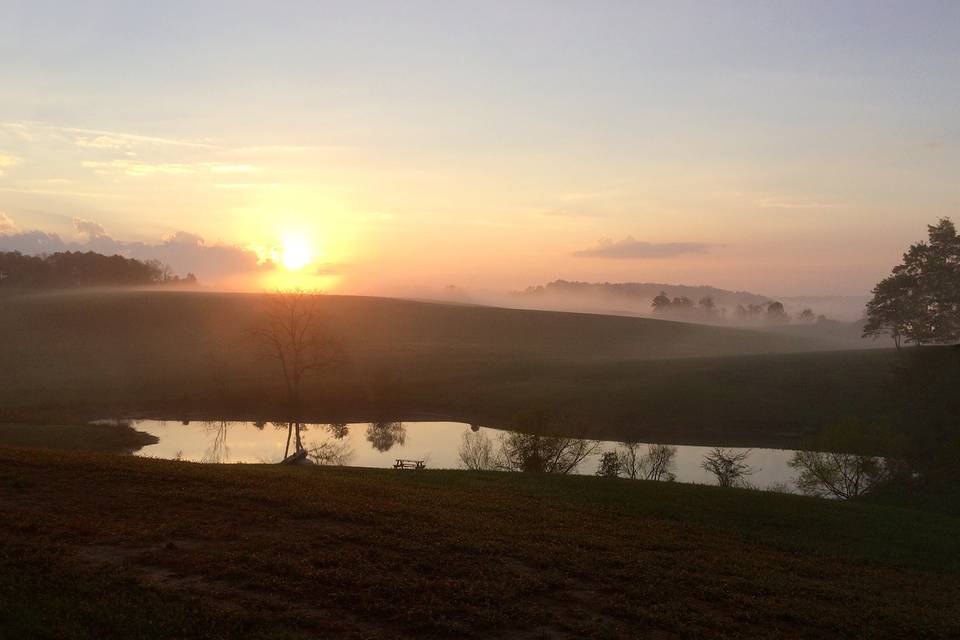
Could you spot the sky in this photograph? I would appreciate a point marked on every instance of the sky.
(787, 148)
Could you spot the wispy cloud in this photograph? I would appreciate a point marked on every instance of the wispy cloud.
(103, 139)
(568, 213)
(59, 192)
(631, 249)
(219, 167)
(278, 148)
(139, 168)
(247, 185)
(787, 203)
(102, 142)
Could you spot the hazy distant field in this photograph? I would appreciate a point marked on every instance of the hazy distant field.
(172, 354)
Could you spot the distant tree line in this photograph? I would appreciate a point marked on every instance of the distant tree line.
(919, 301)
(70, 269)
(771, 312)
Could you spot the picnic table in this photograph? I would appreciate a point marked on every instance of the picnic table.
(409, 464)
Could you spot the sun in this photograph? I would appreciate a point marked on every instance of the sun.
(295, 253)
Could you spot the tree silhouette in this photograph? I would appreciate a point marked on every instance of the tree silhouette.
(382, 436)
(476, 452)
(920, 301)
(609, 466)
(291, 334)
(655, 464)
(69, 269)
(728, 467)
(661, 302)
(776, 314)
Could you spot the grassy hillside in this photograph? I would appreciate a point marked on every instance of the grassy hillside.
(97, 354)
(96, 546)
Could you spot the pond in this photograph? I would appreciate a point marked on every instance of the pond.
(380, 444)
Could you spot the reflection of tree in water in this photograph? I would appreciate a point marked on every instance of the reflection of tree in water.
(330, 452)
(339, 430)
(294, 430)
(383, 435)
(218, 450)
(543, 454)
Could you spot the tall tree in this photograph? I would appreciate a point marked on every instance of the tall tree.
(291, 334)
(894, 309)
(920, 301)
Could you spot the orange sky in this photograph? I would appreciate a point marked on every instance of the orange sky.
(401, 148)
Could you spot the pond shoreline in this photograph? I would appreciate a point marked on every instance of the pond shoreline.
(786, 437)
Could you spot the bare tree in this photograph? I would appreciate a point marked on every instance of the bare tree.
(476, 452)
(824, 471)
(543, 454)
(631, 459)
(658, 461)
(291, 334)
(330, 452)
(728, 467)
(654, 464)
(842, 475)
(218, 451)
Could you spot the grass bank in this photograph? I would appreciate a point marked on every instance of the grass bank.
(93, 545)
(79, 437)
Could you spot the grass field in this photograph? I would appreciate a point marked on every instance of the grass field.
(84, 355)
(93, 546)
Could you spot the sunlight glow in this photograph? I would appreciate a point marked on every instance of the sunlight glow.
(295, 253)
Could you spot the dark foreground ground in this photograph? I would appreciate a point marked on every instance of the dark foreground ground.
(97, 546)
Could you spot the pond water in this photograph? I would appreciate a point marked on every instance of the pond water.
(380, 444)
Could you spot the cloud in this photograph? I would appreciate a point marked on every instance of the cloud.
(6, 224)
(139, 168)
(247, 185)
(783, 203)
(32, 242)
(220, 167)
(99, 138)
(630, 249)
(89, 228)
(183, 251)
(185, 237)
(568, 213)
(102, 142)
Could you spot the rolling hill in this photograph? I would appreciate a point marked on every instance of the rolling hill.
(102, 353)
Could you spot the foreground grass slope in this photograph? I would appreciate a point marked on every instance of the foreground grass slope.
(95, 546)
(97, 354)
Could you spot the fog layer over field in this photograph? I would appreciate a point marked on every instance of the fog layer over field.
(636, 298)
